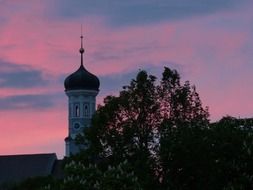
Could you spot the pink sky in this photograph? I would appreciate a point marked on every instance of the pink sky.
(209, 44)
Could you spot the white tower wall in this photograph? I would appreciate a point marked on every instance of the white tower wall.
(81, 106)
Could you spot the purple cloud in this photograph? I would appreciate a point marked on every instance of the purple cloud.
(20, 76)
(132, 12)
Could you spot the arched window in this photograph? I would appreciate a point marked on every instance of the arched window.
(77, 111)
(86, 110)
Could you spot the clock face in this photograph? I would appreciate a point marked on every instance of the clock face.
(76, 126)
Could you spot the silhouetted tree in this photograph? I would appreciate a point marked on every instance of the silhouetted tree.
(81, 177)
(215, 157)
(130, 126)
(157, 136)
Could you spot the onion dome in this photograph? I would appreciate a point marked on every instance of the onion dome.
(81, 79)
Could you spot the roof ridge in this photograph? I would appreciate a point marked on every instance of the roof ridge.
(35, 154)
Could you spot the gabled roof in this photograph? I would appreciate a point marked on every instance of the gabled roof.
(15, 168)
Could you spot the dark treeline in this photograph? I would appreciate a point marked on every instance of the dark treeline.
(157, 135)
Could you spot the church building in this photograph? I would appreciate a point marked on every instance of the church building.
(81, 88)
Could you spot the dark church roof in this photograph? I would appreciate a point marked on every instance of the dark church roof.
(15, 168)
(81, 79)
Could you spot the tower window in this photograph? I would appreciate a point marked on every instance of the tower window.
(86, 110)
(77, 111)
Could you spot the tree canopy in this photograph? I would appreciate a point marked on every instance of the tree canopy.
(133, 125)
(157, 135)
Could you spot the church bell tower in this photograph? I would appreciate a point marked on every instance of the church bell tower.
(81, 87)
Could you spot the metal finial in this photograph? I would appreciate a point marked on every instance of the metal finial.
(81, 49)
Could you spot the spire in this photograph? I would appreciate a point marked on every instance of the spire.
(81, 49)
